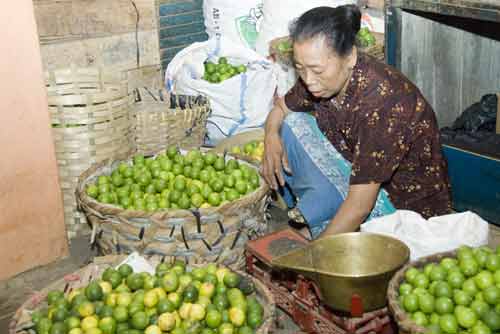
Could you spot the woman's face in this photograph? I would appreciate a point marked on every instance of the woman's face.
(322, 70)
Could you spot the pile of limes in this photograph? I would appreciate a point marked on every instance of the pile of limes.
(221, 71)
(365, 38)
(204, 300)
(457, 295)
(173, 180)
(253, 149)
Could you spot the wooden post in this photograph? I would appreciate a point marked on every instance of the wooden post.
(498, 114)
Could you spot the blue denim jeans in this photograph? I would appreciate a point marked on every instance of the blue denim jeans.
(319, 182)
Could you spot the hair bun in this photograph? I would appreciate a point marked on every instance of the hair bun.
(353, 16)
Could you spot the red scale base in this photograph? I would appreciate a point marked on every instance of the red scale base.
(300, 297)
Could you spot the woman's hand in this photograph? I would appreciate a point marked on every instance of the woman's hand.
(275, 161)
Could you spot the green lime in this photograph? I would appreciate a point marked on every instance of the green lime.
(190, 294)
(214, 199)
(197, 200)
(107, 325)
(165, 305)
(92, 190)
(125, 270)
(469, 267)
(210, 67)
(438, 273)
(443, 305)
(120, 314)
(86, 309)
(490, 318)
(139, 320)
(184, 202)
(226, 328)
(219, 164)
(170, 282)
(448, 324)
(221, 301)
(254, 320)
(231, 279)
(426, 303)
(135, 281)
(456, 279)
(484, 280)
(461, 297)
(420, 318)
(470, 287)
(492, 295)
(174, 196)
(59, 314)
(479, 307)
(467, 318)
(443, 289)
(175, 298)
(72, 322)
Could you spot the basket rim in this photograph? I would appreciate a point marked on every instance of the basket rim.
(404, 321)
(92, 171)
(113, 260)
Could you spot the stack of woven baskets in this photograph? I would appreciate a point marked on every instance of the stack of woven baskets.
(95, 117)
(90, 122)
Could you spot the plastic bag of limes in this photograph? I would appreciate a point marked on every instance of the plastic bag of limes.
(176, 299)
(456, 295)
(222, 70)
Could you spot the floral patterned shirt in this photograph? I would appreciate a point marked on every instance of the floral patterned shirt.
(388, 131)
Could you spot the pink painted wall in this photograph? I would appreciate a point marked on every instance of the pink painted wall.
(32, 229)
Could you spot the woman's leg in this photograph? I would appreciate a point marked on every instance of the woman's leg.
(320, 175)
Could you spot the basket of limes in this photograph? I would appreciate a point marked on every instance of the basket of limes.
(450, 292)
(201, 206)
(248, 146)
(108, 297)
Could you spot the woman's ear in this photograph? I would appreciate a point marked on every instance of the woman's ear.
(352, 57)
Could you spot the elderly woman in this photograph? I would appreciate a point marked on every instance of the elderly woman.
(353, 139)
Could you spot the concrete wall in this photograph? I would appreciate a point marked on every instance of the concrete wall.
(31, 215)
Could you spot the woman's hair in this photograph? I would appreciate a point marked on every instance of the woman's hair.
(339, 26)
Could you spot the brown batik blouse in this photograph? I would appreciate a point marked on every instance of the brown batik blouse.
(389, 133)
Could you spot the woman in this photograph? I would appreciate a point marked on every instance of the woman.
(375, 147)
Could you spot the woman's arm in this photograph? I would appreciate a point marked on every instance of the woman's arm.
(274, 156)
(357, 206)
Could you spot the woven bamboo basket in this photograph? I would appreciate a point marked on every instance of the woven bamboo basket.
(240, 139)
(216, 234)
(180, 121)
(405, 323)
(90, 122)
(21, 321)
(285, 57)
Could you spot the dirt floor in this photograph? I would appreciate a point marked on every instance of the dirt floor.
(16, 290)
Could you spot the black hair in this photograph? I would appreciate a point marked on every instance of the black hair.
(338, 25)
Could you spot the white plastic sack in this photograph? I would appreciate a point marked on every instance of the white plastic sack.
(236, 20)
(438, 234)
(239, 103)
